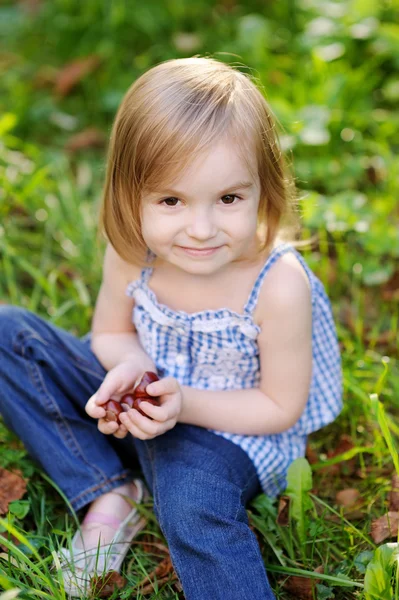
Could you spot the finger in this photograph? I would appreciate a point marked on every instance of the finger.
(159, 413)
(133, 429)
(93, 410)
(167, 385)
(110, 386)
(143, 423)
(121, 432)
(107, 427)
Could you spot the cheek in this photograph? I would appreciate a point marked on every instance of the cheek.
(155, 229)
(244, 226)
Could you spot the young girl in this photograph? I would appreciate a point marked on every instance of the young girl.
(199, 287)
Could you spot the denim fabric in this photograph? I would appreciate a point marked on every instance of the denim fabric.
(200, 482)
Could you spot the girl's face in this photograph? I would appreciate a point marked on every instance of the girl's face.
(207, 218)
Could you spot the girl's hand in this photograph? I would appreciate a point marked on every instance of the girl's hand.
(164, 417)
(118, 381)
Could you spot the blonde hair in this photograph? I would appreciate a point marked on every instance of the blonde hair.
(167, 117)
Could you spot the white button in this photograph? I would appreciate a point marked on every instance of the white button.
(181, 330)
(180, 360)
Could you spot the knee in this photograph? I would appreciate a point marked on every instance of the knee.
(192, 498)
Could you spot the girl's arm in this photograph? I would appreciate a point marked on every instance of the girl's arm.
(285, 347)
(114, 338)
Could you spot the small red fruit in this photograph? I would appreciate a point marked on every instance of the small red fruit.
(114, 408)
(140, 393)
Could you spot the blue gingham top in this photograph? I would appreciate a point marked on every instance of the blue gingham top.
(217, 350)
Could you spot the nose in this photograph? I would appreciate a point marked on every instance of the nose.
(202, 224)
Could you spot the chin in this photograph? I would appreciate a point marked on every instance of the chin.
(199, 268)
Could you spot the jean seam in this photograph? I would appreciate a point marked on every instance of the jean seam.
(241, 503)
(81, 363)
(60, 422)
(124, 475)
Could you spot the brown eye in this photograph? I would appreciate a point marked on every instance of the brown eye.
(230, 198)
(170, 201)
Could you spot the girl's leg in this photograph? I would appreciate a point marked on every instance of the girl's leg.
(47, 375)
(201, 484)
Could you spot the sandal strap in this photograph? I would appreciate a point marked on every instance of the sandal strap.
(102, 519)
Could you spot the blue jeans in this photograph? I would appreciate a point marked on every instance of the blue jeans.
(200, 482)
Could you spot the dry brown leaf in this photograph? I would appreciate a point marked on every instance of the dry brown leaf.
(45, 77)
(150, 588)
(150, 547)
(302, 587)
(72, 73)
(347, 497)
(88, 138)
(311, 455)
(9, 557)
(390, 289)
(104, 586)
(393, 497)
(8, 536)
(350, 515)
(12, 487)
(283, 510)
(346, 467)
(161, 573)
(385, 527)
(261, 541)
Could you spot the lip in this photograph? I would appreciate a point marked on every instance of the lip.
(200, 251)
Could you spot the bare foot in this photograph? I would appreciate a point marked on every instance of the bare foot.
(112, 504)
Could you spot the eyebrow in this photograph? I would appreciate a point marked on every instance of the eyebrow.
(240, 185)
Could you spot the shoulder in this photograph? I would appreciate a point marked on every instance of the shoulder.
(285, 291)
(115, 266)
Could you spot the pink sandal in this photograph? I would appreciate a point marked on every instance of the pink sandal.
(79, 565)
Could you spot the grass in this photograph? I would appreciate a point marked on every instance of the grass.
(330, 73)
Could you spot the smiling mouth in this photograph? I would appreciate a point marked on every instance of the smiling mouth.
(200, 251)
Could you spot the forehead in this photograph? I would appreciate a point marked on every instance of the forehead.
(224, 162)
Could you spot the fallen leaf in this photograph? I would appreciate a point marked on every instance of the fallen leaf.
(12, 487)
(257, 534)
(149, 546)
(162, 573)
(345, 467)
(347, 497)
(311, 455)
(8, 536)
(45, 77)
(302, 587)
(349, 515)
(104, 586)
(385, 527)
(374, 175)
(393, 497)
(88, 138)
(390, 289)
(9, 558)
(72, 73)
(283, 510)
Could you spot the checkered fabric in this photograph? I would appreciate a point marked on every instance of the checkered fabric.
(218, 350)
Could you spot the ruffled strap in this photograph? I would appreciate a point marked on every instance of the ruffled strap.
(271, 259)
(145, 275)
